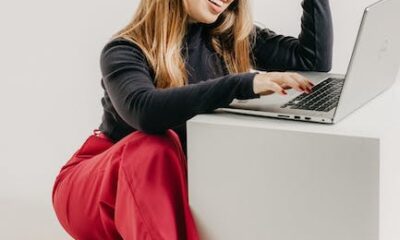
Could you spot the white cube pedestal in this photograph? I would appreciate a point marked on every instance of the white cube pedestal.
(260, 178)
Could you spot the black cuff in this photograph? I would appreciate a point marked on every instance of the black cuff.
(246, 86)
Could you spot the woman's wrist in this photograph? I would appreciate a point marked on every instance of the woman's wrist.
(258, 82)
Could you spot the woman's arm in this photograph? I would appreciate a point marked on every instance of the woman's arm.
(311, 51)
(129, 84)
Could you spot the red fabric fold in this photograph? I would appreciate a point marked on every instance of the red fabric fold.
(135, 189)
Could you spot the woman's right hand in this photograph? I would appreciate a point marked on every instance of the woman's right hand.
(279, 82)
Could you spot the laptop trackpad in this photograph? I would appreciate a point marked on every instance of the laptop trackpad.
(264, 103)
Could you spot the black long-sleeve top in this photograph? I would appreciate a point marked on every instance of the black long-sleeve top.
(132, 102)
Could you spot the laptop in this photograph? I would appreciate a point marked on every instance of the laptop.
(373, 68)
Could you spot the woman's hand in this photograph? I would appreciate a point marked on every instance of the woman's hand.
(279, 82)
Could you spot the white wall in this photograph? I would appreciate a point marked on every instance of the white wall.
(50, 91)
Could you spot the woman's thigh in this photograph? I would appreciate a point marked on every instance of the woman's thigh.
(84, 198)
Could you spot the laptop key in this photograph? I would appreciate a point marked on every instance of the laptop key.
(324, 97)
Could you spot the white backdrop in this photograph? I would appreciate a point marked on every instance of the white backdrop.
(50, 90)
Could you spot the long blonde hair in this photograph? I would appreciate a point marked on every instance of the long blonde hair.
(159, 28)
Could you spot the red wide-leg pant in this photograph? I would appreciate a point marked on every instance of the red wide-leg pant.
(135, 189)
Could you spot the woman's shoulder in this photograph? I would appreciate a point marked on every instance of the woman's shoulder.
(122, 47)
(121, 42)
(259, 29)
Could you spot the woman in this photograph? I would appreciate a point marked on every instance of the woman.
(176, 59)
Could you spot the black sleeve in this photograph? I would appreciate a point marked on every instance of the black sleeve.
(129, 84)
(311, 51)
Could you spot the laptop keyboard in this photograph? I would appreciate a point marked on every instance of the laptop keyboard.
(324, 97)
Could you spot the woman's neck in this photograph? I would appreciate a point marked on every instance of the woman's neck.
(192, 21)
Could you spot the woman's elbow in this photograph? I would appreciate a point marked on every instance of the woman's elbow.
(324, 68)
(315, 64)
(324, 65)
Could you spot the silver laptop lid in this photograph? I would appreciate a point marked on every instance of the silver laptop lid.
(376, 57)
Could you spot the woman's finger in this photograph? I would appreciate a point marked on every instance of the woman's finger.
(276, 88)
(285, 86)
(304, 82)
(296, 84)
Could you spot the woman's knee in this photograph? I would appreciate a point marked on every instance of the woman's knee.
(148, 156)
(140, 146)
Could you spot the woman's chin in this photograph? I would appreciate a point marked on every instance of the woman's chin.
(207, 19)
